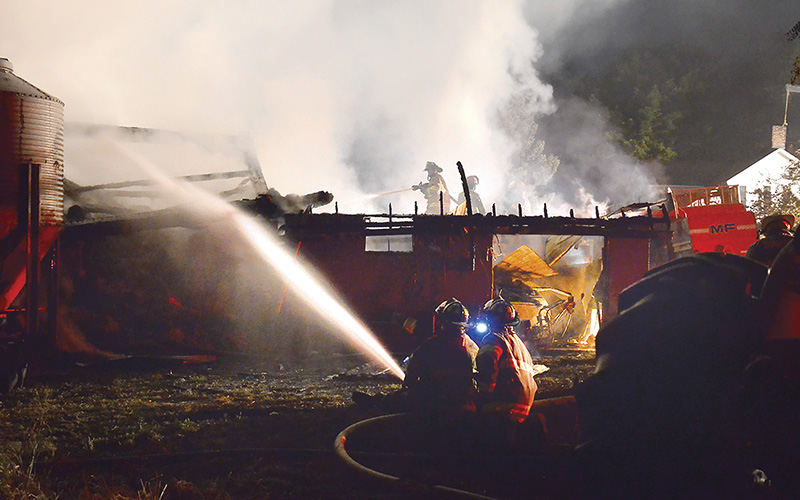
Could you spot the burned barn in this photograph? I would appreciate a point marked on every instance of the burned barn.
(132, 262)
(141, 272)
(130, 293)
(393, 269)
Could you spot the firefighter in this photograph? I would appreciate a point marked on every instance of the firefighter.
(662, 414)
(776, 230)
(772, 379)
(474, 197)
(439, 375)
(696, 388)
(432, 189)
(505, 369)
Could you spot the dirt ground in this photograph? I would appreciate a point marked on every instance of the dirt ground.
(145, 428)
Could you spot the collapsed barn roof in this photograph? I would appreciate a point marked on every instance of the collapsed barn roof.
(110, 170)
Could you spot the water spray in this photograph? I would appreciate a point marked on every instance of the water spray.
(269, 249)
(312, 291)
(375, 196)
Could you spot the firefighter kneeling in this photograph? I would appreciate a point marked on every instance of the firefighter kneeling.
(505, 379)
(439, 376)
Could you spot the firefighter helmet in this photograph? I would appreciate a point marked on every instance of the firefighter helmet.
(432, 167)
(451, 312)
(499, 312)
(783, 219)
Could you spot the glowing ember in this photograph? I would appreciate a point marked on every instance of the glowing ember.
(592, 327)
(594, 322)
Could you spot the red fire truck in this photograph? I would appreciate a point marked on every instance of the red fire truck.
(710, 219)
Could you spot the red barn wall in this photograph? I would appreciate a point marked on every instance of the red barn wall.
(385, 288)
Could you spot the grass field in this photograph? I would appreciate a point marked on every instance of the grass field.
(152, 428)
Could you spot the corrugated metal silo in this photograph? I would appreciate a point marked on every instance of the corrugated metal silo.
(31, 131)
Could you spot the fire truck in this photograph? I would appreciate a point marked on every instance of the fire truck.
(710, 219)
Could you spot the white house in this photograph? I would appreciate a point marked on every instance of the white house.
(765, 172)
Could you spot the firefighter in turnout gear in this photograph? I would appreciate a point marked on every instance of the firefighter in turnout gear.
(505, 368)
(772, 378)
(665, 399)
(777, 233)
(432, 188)
(474, 197)
(439, 376)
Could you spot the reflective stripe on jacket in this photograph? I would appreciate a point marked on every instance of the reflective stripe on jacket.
(505, 375)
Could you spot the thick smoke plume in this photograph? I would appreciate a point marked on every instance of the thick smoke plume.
(592, 170)
(353, 97)
(349, 96)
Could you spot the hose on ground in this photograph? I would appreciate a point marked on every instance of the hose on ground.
(341, 452)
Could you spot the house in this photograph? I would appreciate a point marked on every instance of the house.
(765, 172)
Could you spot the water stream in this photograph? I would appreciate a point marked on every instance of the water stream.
(316, 294)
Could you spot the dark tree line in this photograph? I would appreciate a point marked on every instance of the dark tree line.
(695, 87)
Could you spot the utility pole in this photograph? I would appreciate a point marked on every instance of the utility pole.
(779, 131)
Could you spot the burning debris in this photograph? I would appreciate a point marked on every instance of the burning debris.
(558, 308)
(272, 204)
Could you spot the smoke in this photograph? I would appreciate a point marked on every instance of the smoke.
(349, 96)
(593, 171)
(728, 60)
(355, 96)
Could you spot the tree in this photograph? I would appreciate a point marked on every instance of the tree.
(697, 109)
(777, 195)
(795, 74)
(653, 138)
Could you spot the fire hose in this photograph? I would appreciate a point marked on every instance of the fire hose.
(341, 452)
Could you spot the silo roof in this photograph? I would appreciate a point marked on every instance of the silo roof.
(9, 82)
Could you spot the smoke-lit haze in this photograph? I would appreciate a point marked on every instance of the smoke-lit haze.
(355, 96)
(349, 96)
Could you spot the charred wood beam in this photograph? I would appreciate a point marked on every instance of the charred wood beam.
(633, 227)
(75, 189)
(465, 187)
(153, 220)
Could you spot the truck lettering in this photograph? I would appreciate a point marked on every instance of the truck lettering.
(722, 228)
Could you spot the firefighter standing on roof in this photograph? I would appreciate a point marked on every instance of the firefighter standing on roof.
(439, 373)
(474, 197)
(777, 233)
(432, 188)
(505, 368)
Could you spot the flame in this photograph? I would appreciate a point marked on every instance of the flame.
(594, 322)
